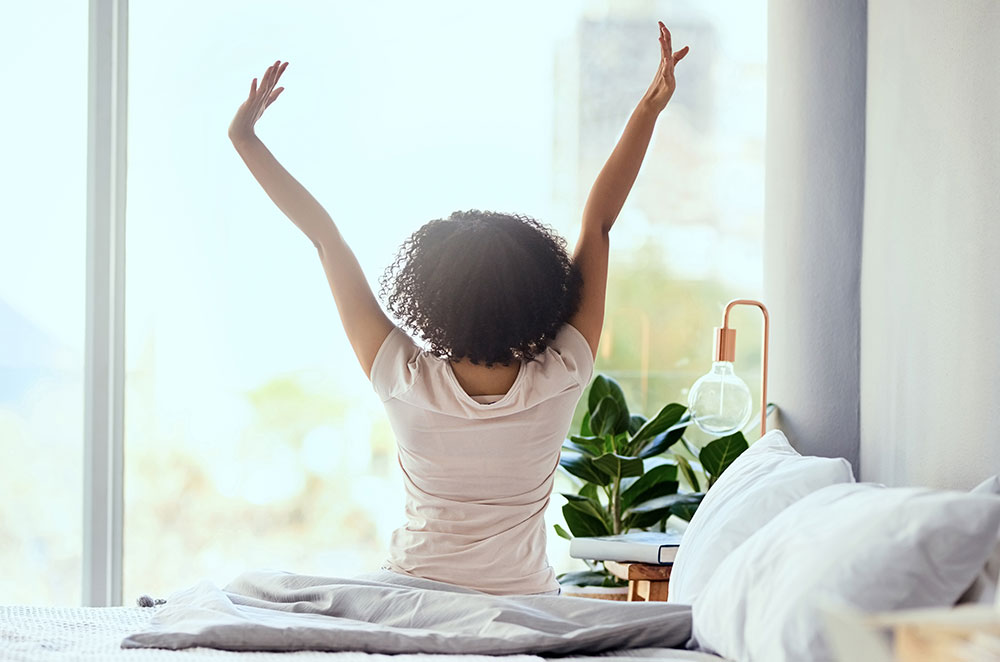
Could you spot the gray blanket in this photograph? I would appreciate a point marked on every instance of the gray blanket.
(387, 612)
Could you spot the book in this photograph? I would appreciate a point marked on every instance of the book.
(640, 547)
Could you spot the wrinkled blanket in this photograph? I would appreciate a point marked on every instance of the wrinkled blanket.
(388, 612)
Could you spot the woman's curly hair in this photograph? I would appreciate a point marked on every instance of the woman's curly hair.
(490, 287)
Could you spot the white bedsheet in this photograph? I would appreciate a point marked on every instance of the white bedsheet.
(50, 634)
(393, 613)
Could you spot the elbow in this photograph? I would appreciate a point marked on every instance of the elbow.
(605, 223)
(600, 230)
(322, 247)
(326, 242)
(599, 224)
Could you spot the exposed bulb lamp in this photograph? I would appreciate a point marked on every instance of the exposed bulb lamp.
(720, 401)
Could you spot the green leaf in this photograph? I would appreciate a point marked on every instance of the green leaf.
(576, 448)
(582, 523)
(586, 505)
(584, 502)
(665, 488)
(589, 491)
(627, 483)
(719, 454)
(598, 389)
(658, 481)
(619, 466)
(635, 422)
(610, 581)
(583, 467)
(687, 472)
(562, 533)
(686, 509)
(605, 417)
(667, 417)
(585, 425)
(661, 442)
(582, 578)
(605, 386)
(651, 512)
(587, 445)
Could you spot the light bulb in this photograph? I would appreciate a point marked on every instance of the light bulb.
(720, 402)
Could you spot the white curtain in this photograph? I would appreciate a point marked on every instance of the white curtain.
(882, 257)
(930, 285)
(813, 219)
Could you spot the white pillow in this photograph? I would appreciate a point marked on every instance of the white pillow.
(866, 546)
(984, 586)
(758, 485)
(989, 486)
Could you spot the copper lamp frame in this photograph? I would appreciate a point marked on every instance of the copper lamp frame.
(725, 350)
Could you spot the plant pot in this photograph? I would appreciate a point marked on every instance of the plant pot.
(597, 592)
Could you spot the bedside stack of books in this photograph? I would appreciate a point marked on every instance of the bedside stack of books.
(644, 559)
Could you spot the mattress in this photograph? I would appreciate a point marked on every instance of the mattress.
(43, 634)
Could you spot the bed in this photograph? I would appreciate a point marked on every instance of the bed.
(782, 562)
(266, 614)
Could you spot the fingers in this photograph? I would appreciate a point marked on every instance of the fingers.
(268, 82)
(263, 79)
(665, 47)
(274, 95)
(679, 55)
(280, 71)
(273, 74)
(265, 93)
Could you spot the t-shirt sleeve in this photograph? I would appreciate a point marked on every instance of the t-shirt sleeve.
(574, 351)
(395, 367)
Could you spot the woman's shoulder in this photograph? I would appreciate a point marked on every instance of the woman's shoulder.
(569, 353)
(396, 364)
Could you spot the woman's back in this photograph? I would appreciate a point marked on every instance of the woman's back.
(478, 476)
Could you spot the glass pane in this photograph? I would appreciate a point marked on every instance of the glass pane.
(252, 436)
(43, 248)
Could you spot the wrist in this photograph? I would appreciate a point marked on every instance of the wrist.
(241, 138)
(649, 106)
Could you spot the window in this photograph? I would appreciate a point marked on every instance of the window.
(42, 254)
(252, 438)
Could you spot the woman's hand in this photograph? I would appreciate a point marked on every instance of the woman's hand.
(260, 98)
(662, 87)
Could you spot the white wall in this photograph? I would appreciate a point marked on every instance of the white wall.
(930, 324)
(813, 211)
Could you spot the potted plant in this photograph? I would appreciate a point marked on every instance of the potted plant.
(628, 470)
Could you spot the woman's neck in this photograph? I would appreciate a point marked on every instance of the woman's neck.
(478, 379)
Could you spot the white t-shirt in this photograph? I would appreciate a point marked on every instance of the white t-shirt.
(478, 476)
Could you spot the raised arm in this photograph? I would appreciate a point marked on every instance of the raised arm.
(610, 190)
(365, 323)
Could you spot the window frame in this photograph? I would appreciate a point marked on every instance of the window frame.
(103, 472)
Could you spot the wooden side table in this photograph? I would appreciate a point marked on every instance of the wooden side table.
(646, 583)
(963, 633)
